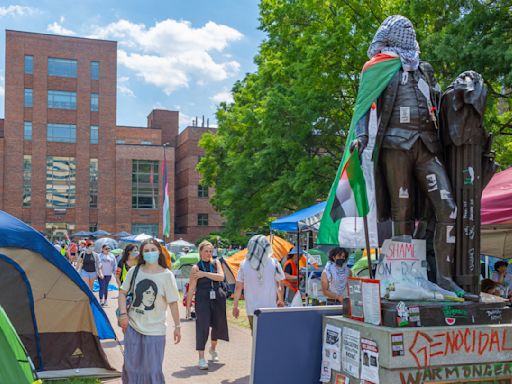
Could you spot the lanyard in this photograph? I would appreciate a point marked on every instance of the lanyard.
(211, 271)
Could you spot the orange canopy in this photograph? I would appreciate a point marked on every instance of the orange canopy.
(280, 248)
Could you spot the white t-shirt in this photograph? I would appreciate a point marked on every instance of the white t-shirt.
(152, 293)
(260, 289)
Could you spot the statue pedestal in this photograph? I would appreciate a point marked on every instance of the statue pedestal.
(449, 354)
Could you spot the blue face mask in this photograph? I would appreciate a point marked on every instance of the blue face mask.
(134, 253)
(151, 257)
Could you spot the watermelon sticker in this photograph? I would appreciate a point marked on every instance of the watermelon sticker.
(450, 320)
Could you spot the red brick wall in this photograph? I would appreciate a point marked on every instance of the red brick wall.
(167, 122)
(188, 204)
(19, 44)
(134, 135)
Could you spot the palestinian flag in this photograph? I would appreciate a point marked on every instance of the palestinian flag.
(166, 208)
(352, 195)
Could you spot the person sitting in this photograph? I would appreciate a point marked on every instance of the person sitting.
(335, 276)
(502, 278)
(490, 287)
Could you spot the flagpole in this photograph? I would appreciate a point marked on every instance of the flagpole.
(367, 240)
(164, 178)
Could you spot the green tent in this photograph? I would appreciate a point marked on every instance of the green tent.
(15, 366)
(187, 259)
(318, 252)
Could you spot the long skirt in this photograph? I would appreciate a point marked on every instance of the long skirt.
(143, 358)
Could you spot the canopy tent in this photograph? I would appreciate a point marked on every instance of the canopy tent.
(139, 238)
(496, 211)
(180, 246)
(15, 364)
(497, 199)
(122, 234)
(54, 312)
(100, 233)
(304, 220)
(280, 248)
(98, 244)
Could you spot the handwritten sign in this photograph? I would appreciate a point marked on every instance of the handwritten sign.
(401, 259)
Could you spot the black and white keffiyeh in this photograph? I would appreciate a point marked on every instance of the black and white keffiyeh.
(259, 251)
(396, 35)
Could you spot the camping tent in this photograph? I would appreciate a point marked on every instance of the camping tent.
(496, 210)
(53, 311)
(280, 248)
(304, 220)
(15, 364)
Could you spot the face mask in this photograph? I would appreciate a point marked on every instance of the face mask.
(134, 253)
(89, 250)
(340, 262)
(151, 257)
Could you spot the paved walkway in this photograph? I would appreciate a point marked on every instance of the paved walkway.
(180, 361)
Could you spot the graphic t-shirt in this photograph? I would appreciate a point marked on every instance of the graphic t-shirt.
(152, 292)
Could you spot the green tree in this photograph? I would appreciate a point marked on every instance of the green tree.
(279, 143)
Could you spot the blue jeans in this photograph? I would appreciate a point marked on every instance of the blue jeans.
(104, 286)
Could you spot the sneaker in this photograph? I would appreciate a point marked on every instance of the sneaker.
(203, 364)
(214, 355)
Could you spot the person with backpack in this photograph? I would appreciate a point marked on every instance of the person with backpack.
(260, 277)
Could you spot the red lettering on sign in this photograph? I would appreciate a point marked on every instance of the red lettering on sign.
(461, 341)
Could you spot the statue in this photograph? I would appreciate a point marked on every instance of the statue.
(410, 177)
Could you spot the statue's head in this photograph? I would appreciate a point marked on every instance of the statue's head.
(396, 35)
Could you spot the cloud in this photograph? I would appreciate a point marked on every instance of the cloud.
(17, 10)
(224, 96)
(172, 53)
(123, 88)
(58, 29)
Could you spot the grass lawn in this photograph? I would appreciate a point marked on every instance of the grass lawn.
(242, 320)
(77, 380)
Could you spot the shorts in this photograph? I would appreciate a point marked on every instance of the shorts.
(88, 275)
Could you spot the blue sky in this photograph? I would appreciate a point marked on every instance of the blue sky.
(175, 54)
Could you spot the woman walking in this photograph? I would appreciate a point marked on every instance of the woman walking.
(129, 259)
(144, 322)
(108, 267)
(210, 303)
(89, 265)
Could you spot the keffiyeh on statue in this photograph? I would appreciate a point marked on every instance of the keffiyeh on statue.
(259, 251)
(396, 35)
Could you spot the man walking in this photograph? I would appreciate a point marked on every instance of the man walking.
(260, 276)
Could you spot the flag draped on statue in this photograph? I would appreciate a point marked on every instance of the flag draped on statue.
(352, 195)
(166, 208)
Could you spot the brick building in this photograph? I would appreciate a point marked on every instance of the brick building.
(66, 165)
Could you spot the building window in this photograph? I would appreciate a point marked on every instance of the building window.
(93, 227)
(145, 184)
(119, 141)
(94, 134)
(202, 219)
(61, 67)
(145, 142)
(27, 180)
(94, 102)
(27, 130)
(148, 229)
(95, 70)
(28, 98)
(62, 133)
(93, 183)
(29, 65)
(62, 99)
(60, 182)
(202, 191)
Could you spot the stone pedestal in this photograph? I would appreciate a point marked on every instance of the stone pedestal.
(449, 354)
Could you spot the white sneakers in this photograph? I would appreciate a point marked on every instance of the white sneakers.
(214, 355)
(203, 364)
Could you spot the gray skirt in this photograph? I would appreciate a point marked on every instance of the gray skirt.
(143, 358)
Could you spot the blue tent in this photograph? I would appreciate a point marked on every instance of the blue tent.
(55, 314)
(304, 220)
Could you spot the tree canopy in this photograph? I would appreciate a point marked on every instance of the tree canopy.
(279, 143)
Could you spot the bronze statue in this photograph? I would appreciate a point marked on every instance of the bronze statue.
(410, 177)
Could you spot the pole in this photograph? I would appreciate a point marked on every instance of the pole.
(298, 259)
(367, 241)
